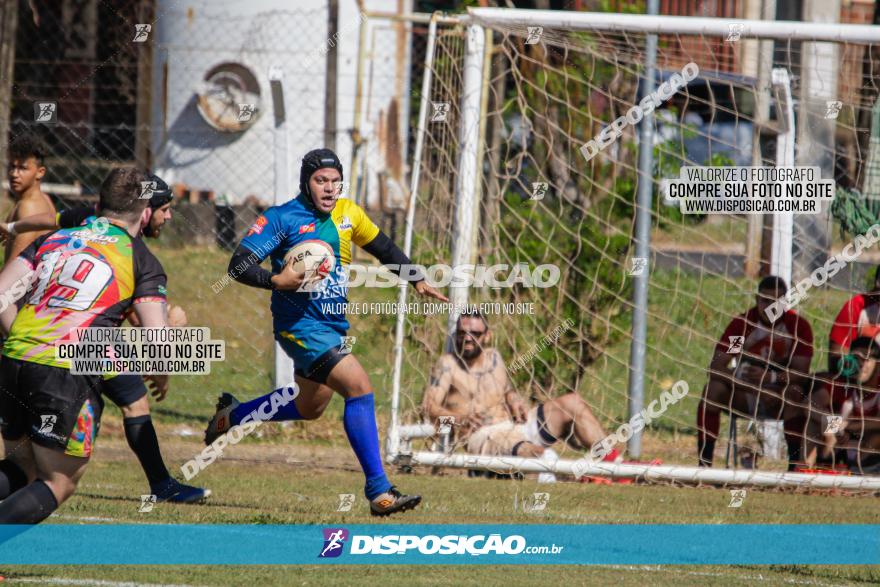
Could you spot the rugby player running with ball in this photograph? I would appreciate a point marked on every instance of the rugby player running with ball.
(312, 338)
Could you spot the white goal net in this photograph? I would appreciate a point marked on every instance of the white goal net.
(517, 168)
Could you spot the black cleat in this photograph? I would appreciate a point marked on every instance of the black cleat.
(393, 501)
(220, 423)
(173, 491)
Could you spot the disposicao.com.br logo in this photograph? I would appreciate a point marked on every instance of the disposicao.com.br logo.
(476, 545)
(334, 539)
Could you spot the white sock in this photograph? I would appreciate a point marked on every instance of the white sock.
(548, 457)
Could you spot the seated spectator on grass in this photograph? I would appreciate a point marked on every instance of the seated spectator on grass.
(758, 371)
(860, 316)
(843, 420)
(472, 386)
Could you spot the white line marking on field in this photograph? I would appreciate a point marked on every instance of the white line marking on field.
(97, 519)
(87, 582)
(84, 518)
(710, 574)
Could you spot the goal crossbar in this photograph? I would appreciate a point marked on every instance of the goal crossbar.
(682, 25)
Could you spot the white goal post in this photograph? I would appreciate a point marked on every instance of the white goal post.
(471, 139)
(675, 25)
(685, 475)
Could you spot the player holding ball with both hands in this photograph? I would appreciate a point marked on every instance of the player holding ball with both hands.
(311, 337)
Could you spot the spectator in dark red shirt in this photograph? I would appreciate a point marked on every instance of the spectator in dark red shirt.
(860, 316)
(757, 366)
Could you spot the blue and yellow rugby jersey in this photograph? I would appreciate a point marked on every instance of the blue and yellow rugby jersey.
(283, 227)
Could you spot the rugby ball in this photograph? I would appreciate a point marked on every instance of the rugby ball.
(312, 257)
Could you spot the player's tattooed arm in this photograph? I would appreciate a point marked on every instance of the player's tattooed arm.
(514, 402)
(437, 390)
(516, 405)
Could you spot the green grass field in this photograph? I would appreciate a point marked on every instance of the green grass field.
(429, 576)
(292, 474)
(298, 483)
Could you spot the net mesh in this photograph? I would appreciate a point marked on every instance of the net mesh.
(541, 202)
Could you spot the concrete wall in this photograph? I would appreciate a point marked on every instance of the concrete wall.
(192, 37)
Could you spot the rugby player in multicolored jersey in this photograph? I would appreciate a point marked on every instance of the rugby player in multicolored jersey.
(82, 277)
(313, 339)
(859, 316)
(759, 370)
(844, 415)
(129, 392)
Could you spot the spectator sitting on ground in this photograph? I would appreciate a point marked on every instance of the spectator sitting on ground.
(472, 386)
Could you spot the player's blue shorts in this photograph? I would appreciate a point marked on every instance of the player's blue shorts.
(315, 347)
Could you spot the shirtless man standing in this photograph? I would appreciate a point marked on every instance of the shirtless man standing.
(472, 386)
(26, 171)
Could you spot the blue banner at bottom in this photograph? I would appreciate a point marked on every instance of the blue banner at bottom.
(692, 544)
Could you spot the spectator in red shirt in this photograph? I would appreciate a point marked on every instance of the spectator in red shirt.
(757, 366)
(860, 316)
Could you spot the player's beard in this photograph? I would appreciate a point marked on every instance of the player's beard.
(468, 354)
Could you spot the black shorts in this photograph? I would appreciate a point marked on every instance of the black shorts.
(51, 406)
(124, 390)
(320, 369)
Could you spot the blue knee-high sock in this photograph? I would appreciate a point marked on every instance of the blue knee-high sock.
(285, 412)
(360, 426)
